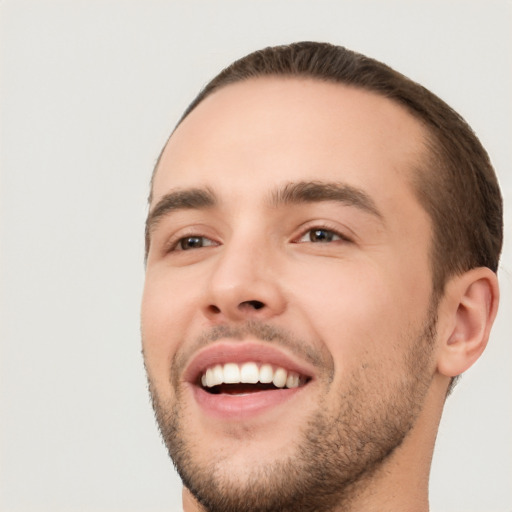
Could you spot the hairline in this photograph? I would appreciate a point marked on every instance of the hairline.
(430, 137)
(417, 173)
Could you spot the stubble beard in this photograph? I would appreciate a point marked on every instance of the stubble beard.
(337, 452)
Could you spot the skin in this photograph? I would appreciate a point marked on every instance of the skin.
(360, 302)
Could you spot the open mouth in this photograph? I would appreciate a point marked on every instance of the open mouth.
(242, 380)
(249, 377)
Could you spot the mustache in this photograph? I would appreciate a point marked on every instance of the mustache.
(315, 353)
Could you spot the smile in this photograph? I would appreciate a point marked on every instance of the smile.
(242, 379)
(248, 377)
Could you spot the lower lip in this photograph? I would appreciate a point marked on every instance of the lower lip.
(236, 407)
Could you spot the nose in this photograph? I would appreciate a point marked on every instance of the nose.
(244, 284)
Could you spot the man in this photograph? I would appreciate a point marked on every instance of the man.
(322, 246)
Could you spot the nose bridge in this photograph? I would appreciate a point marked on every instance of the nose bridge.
(242, 277)
(241, 263)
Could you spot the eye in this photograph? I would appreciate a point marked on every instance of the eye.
(320, 235)
(193, 242)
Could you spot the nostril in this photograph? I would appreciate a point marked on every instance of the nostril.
(250, 304)
(256, 304)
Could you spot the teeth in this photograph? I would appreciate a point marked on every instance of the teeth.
(292, 381)
(209, 378)
(213, 376)
(250, 373)
(280, 377)
(266, 374)
(218, 374)
(231, 374)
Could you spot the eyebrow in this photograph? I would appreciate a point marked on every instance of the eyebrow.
(186, 199)
(301, 192)
(319, 191)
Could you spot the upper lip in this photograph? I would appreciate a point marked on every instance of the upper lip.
(222, 352)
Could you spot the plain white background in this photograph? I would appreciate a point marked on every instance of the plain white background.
(89, 92)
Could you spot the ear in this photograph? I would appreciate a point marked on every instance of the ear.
(469, 308)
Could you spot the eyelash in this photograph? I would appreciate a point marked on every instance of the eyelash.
(326, 228)
(176, 244)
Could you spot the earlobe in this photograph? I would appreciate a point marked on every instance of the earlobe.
(471, 303)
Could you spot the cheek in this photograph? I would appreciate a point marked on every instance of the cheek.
(361, 313)
(165, 317)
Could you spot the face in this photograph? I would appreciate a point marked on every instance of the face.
(286, 319)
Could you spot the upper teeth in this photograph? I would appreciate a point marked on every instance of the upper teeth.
(250, 373)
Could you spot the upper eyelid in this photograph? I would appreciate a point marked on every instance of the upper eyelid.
(335, 231)
(345, 233)
(173, 241)
(204, 231)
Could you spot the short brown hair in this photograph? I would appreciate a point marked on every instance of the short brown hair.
(457, 186)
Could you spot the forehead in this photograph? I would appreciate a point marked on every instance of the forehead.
(266, 131)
